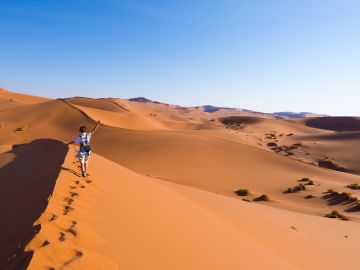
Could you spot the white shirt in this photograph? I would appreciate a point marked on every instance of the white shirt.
(78, 139)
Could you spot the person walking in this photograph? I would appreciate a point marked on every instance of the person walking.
(83, 139)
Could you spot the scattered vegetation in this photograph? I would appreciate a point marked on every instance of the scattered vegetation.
(310, 183)
(307, 181)
(272, 144)
(344, 195)
(295, 189)
(262, 198)
(242, 192)
(328, 164)
(336, 214)
(309, 197)
(21, 128)
(270, 136)
(354, 186)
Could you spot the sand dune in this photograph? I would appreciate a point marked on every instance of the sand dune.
(162, 189)
(168, 226)
(20, 98)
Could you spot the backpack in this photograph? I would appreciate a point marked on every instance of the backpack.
(85, 144)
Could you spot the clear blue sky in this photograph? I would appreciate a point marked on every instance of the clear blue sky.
(266, 55)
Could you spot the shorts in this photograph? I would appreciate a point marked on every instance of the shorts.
(83, 156)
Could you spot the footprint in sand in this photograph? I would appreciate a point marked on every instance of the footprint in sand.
(74, 194)
(67, 209)
(46, 242)
(78, 254)
(71, 229)
(62, 237)
(53, 217)
(69, 200)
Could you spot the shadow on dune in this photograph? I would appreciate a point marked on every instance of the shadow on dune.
(28, 175)
(335, 123)
(239, 120)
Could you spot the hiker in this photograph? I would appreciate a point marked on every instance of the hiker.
(85, 150)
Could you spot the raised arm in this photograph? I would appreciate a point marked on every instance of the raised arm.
(95, 128)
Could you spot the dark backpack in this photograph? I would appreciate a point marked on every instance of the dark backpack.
(85, 144)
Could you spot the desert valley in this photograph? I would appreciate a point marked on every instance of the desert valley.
(173, 187)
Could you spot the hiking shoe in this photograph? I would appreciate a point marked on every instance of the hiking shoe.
(83, 174)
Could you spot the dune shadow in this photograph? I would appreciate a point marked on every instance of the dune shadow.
(28, 175)
(341, 123)
(238, 120)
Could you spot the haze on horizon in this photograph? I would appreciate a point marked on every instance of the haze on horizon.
(261, 55)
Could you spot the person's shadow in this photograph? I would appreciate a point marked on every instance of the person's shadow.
(28, 175)
(71, 171)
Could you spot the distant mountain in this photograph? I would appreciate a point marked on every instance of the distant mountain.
(226, 111)
(298, 115)
(211, 109)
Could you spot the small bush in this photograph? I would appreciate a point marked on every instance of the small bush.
(354, 186)
(21, 128)
(346, 195)
(263, 198)
(333, 192)
(336, 214)
(295, 189)
(242, 192)
(272, 144)
(307, 181)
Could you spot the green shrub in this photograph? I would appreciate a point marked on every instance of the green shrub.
(295, 189)
(336, 214)
(346, 195)
(21, 128)
(354, 186)
(264, 198)
(242, 192)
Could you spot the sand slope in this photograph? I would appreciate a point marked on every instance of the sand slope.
(136, 222)
(20, 98)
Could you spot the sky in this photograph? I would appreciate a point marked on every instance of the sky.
(263, 55)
